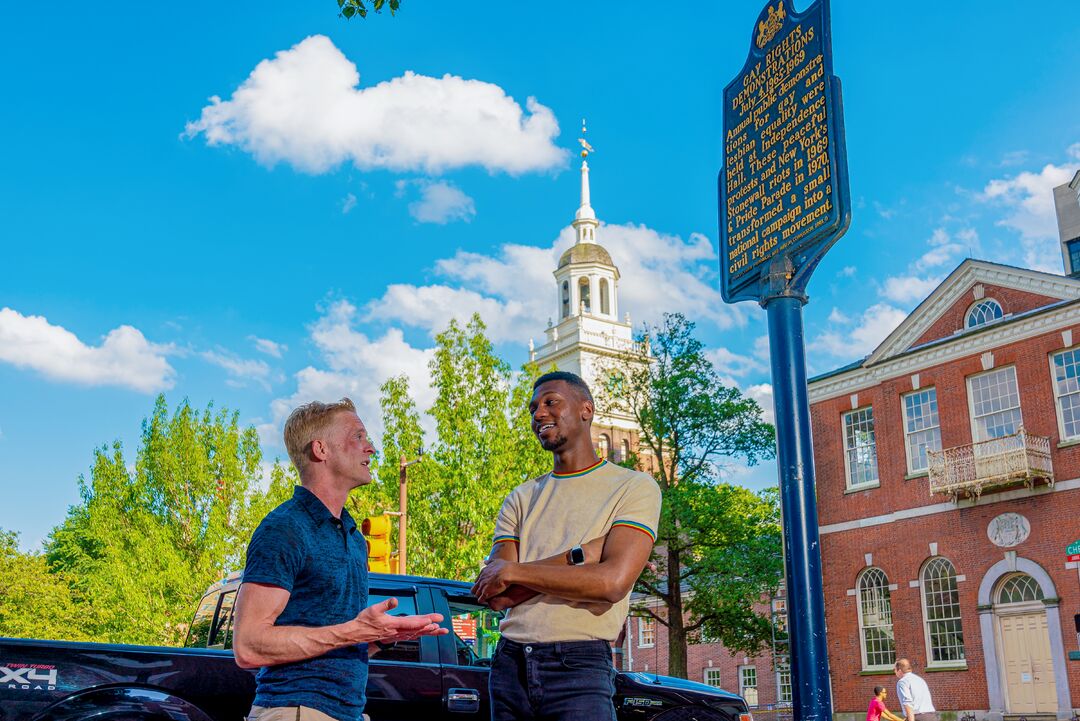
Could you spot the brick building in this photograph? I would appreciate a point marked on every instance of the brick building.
(763, 680)
(948, 472)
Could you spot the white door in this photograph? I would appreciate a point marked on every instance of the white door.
(1028, 667)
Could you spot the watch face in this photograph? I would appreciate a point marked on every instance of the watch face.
(577, 555)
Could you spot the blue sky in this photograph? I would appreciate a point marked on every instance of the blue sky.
(306, 234)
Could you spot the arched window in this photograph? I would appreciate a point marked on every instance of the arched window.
(875, 620)
(566, 299)
(583, 295)
(605, 305)
(605, 446)
(941, 611)
(983, 312)
(1019, 588)
(624, 450)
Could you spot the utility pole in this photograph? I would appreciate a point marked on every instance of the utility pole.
(403, 511)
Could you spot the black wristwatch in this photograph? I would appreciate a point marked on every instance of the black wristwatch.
(577, 556)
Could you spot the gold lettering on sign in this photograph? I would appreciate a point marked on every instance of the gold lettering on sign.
(777, 172)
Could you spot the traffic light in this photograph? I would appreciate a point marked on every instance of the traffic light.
(377, 531)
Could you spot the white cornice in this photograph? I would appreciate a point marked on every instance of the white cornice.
(965, 345)
(956, 285)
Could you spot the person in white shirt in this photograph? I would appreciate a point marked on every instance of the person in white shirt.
(914, 694)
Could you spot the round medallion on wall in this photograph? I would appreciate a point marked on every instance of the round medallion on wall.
(1008, 530)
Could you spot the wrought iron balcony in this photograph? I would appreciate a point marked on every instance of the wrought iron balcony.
(972, 468)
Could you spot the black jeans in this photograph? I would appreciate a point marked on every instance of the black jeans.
(564, 681)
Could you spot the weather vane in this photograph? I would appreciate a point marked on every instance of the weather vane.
(585, 147)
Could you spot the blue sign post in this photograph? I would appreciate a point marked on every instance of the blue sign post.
(783, 202)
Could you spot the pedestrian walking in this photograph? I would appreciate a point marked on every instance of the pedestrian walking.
(913, 694)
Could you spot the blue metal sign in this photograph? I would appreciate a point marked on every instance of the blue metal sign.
(783, 187)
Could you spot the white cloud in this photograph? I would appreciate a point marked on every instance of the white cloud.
(304, 107)
(441, 202)
(847, 271)
(837, 316)
(269, 347)
(355, 365)
(513, 290)
(241, 370)
(873, 326)
(907, 289)
(1028, 202)
(125, 358)
(727, 362)
(763, 394)
(348, 203)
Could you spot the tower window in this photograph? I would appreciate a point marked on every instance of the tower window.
(1074, 256)
(566, 299)
(605, 305)
(583, 292)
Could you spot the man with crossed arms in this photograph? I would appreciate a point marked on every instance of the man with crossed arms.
(568, 548)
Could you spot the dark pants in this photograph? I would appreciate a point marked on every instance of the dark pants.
(565, 681)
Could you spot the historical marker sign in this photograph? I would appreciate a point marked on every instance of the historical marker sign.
(783, 187)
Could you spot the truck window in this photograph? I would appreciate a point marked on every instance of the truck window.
(476, 631)
(405, 651)
(221, 633)
(199, 631)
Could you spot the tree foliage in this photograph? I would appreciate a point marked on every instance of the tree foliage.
(482, 448)
(349, 9)
(149, 538)
(718, 552)
(34, 603)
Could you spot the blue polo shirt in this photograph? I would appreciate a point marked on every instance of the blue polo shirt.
(322, 561)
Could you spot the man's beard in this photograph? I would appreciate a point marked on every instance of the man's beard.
(554, 444)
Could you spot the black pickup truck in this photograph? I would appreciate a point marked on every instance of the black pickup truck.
(425, 680)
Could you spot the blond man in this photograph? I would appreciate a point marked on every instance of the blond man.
(301, 614)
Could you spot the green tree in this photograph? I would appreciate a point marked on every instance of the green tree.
(349, 9)
(148, 539)
(483, 448)
(718, 553)
(35, 603)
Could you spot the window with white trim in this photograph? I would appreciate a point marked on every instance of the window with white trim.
(748, 684)
(941, 612)
(922, 430)
(711, 676)
(624, 451)
(995, 404)
(1066, 368)
(860, 448)
(646, 632)
(783, 684)
(983, 312)
(875, 620)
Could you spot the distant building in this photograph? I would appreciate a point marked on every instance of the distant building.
(948, 486)
(1067, 205)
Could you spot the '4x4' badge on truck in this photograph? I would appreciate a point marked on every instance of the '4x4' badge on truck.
(28, 678)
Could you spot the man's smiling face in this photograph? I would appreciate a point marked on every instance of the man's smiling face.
(558, 414)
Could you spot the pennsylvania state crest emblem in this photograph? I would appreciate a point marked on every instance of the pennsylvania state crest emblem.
(771, 25)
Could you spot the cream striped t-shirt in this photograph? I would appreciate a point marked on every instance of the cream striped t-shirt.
(550, 515)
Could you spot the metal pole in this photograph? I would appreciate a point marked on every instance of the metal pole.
(403, 519)
(811, 695)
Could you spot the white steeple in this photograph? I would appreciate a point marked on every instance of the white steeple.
(585, 223)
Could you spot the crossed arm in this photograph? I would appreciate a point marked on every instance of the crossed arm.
(258, 642)
(612, 565)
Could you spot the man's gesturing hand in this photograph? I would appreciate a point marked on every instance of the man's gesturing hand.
(375, 623)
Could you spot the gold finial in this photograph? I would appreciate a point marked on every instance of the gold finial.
(585, 147)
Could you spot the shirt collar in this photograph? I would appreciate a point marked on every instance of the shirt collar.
(318, 510)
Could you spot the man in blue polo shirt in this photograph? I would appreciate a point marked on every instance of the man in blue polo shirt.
(301, 614)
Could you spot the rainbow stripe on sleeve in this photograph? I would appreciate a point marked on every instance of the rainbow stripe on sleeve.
(637, 527)
(507, 539)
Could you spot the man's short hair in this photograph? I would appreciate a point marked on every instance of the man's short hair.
(571, 379)
(308, 422)
(903, 665)
(878, 689)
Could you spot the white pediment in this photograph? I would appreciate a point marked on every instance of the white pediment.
(954, 288)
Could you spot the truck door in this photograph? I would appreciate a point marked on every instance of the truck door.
(404, 681)
(466, 656)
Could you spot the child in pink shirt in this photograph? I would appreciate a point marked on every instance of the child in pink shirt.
(877, 710)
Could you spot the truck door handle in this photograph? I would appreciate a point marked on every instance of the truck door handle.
(463, 700)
